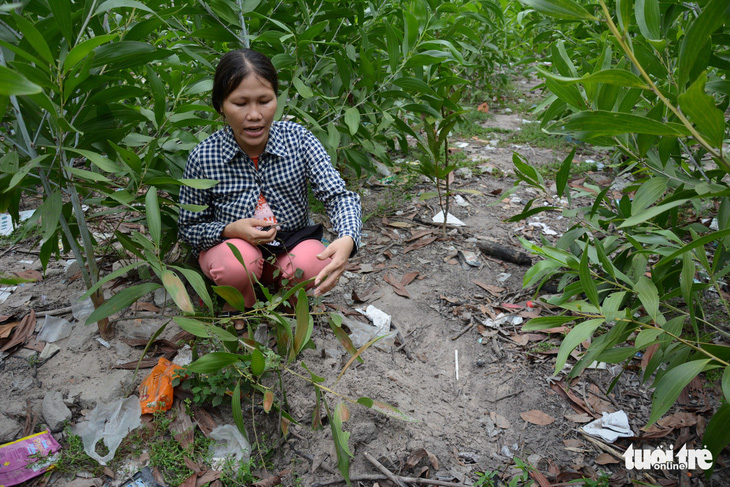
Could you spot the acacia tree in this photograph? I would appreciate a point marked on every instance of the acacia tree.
(643, 270)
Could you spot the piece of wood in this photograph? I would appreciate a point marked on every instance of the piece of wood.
(504, 253)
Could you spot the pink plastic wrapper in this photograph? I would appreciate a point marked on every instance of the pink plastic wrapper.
(16, 464)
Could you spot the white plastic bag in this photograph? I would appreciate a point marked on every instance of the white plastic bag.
(229, 442)
(54, 329)
(111, 423)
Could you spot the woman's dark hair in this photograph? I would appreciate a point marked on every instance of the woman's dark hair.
(234, 66)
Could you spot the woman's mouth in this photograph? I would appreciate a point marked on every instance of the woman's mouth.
(254, 131)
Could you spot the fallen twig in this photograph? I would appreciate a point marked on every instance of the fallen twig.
(55, 312)
(467, 328)
(384, 470)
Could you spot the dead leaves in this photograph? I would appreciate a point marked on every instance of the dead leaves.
(535, 416)
(400, 286)
(21, 332)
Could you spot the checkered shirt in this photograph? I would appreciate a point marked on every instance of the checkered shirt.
(293, 156)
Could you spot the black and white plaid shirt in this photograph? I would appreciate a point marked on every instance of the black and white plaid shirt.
(293, 157)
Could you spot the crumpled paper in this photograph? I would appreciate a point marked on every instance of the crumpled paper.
(610, 427)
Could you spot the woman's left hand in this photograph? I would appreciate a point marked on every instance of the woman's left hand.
(339, 251)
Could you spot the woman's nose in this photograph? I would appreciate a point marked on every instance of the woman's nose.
(253, 113)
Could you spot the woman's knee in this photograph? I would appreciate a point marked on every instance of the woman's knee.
(304, 257)
(221, 265)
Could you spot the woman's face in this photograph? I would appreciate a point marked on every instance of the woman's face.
(249, 110)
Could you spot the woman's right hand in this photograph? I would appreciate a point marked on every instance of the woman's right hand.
(249, 229)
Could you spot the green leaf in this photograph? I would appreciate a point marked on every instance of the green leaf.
(575, 337)
(352, 119)
(341, 438)
(646, 338)
(303, 90)
(605, 123)
(15, 84)
(619, 77)
(198, 284)
(305, 324)
(195, 327)
(34, 37)
(697, 243)
(237, 411)
(112, 4)
(152, 213)
(623, 11)
(61, 10)
(103, 163)
(24, 170)
(546, 322)
(85, 175)
(649, 296)
(726, 383)
(713, 15)
(648, 18)
(176, 289)
(213, 362)
(700, 108)
(50, 212)
(393, 44)
(648, 193)
(258, 362)
(335, 322)
(561, 179)
(671, 384)
(651, 213)
(121, 301)
(413, 85)
(81, 51)
(584, 272)
(562, 9)
(717, 434)
(158, 95)
(686, 278)
(232, 296)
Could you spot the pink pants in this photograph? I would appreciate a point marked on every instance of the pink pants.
(223, 268)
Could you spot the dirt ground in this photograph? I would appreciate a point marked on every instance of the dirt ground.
(500, 403)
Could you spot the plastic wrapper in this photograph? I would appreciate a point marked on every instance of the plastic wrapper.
(156, 391)
(22, 459)
(54, 329)
(109, 423)
(229, 442)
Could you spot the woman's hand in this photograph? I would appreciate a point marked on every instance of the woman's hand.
(339, 251)
(250, 230)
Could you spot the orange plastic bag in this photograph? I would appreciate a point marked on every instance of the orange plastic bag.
(156, 391)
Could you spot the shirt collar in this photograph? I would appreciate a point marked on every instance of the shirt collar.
(275, 145)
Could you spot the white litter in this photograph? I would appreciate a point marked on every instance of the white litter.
(462, 145)
(714, 226)
(5, 292)
(503, 276)
(460, 201)
(450, 219)
(610, 427)
(6, 221)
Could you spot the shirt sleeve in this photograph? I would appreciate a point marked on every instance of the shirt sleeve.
(343, 206)
(198, 228)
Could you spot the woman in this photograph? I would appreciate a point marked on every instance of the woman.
(260, 204)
